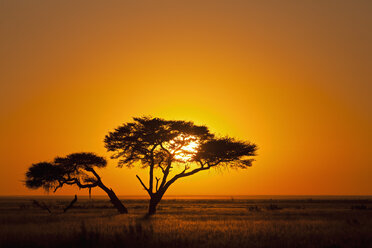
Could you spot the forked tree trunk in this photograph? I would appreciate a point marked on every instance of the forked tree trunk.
(114, 199)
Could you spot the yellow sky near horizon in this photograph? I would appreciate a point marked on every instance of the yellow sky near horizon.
(292, 77)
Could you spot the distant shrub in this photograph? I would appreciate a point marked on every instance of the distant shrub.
(273, 207)
(359, 207)
(254, 208)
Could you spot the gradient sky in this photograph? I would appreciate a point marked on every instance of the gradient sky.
(294, 77)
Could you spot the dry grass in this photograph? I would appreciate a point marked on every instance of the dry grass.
(188, 223)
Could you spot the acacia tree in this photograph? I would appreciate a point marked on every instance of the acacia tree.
(74, 169)
(160, 144)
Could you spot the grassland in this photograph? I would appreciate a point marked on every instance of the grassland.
(188, 223)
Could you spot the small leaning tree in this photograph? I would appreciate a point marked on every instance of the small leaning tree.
(159, 144)
(74, 169)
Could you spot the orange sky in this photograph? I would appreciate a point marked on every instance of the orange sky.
(292, 76)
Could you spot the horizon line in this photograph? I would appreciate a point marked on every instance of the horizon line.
(187, 195)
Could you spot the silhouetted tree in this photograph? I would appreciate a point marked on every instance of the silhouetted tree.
(156, 143)
(74, 169)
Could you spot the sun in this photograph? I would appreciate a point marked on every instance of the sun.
(184, 147)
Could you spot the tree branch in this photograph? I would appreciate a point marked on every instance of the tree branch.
(166, 150)
(157, 183)
(201, 163)
(161, 167)
(72, 181)
(60, 185)
(159, 164)
(152, 164)
(70, 205)
(95, 174)
(216, 163)
(180, 147)
(143, 184)
(41, 205)
(185, 174)
(166, 173)
(186, 168)
(82, 186)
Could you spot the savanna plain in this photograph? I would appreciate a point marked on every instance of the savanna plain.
(187, 222)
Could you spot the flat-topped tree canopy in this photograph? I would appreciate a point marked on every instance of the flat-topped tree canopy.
(225, 151)
(74, 169)
(148, 139)
(44, 175)
(82, 160)
(156, 143)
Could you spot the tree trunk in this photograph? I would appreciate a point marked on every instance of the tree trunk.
(114, 199)
(154, 201)
(152, 207)
(117, 203)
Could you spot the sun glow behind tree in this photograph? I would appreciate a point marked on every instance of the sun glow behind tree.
(184, 147)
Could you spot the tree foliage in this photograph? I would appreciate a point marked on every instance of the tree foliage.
(44, 175)
(74, 169)
(145, 140)
(225, 151)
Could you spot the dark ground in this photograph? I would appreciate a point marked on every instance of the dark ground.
(188, 223)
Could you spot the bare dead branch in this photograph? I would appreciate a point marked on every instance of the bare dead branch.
(41, 205)
(70, 205)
